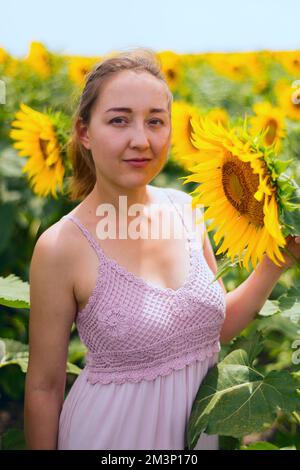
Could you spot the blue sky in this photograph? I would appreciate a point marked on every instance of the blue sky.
(93, 27)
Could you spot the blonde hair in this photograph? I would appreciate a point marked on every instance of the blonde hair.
(83, 178)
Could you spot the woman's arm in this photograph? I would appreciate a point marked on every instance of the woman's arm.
(52, 311)
(244, 302)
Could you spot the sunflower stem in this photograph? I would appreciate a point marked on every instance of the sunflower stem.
(288, 252)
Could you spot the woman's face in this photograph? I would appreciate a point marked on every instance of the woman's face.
(139, 129)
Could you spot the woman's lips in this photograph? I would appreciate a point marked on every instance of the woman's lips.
(137, 163)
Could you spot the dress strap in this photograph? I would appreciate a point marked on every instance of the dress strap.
(86, 233)
(196, 236)
(179, 212)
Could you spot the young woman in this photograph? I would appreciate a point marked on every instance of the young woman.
(144, 306)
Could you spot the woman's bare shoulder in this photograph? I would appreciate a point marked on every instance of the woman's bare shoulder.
(55, 249)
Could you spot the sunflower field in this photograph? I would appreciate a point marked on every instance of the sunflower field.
(236, 148)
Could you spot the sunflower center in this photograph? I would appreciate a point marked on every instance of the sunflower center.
(189, 126)
(171, 74)
(271, 133)
(239, 185)
(43, 146)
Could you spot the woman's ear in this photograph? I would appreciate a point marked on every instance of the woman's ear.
(83, 134)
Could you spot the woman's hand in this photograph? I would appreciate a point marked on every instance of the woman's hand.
(293, 245)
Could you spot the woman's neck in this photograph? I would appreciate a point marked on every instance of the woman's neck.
(120, 198)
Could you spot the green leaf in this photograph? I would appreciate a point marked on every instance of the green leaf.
(229, 443)
(14, 292)
(260, 445)
(73, 369)
(7, 215)
(21, 361)
(270, 308)
(252, 344)
(13, 439)
(236, 400)
(10, 163)
(14, 352)
(281, 165)
(77, 350)
(277, 323)
(224, 266)
(289, 303)
(293, 220)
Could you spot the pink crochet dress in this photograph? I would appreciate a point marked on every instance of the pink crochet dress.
(148, 350)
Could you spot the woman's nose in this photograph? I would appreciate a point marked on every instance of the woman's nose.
(139, 138)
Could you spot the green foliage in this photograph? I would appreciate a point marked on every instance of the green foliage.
(13, 352)
(236, 400)
(260, 446)
(13, 439)
(14, 292)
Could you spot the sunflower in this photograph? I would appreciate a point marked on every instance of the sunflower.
(238, 191)
(8, 64)
(3, 56)
(268, 118)
(288, 98)
(79, 67)
(261, 77)
(192, 60)
(182, 112)
(290, 60)
(218, 114)
(35, 138)
(171, 64)
(236, 66)
(38, 59)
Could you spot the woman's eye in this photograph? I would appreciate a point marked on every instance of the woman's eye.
(159, 121)
(117, 120)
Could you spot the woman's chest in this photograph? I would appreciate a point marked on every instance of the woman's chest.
(165, 263)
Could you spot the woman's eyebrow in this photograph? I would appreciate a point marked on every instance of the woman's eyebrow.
(129, 110)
